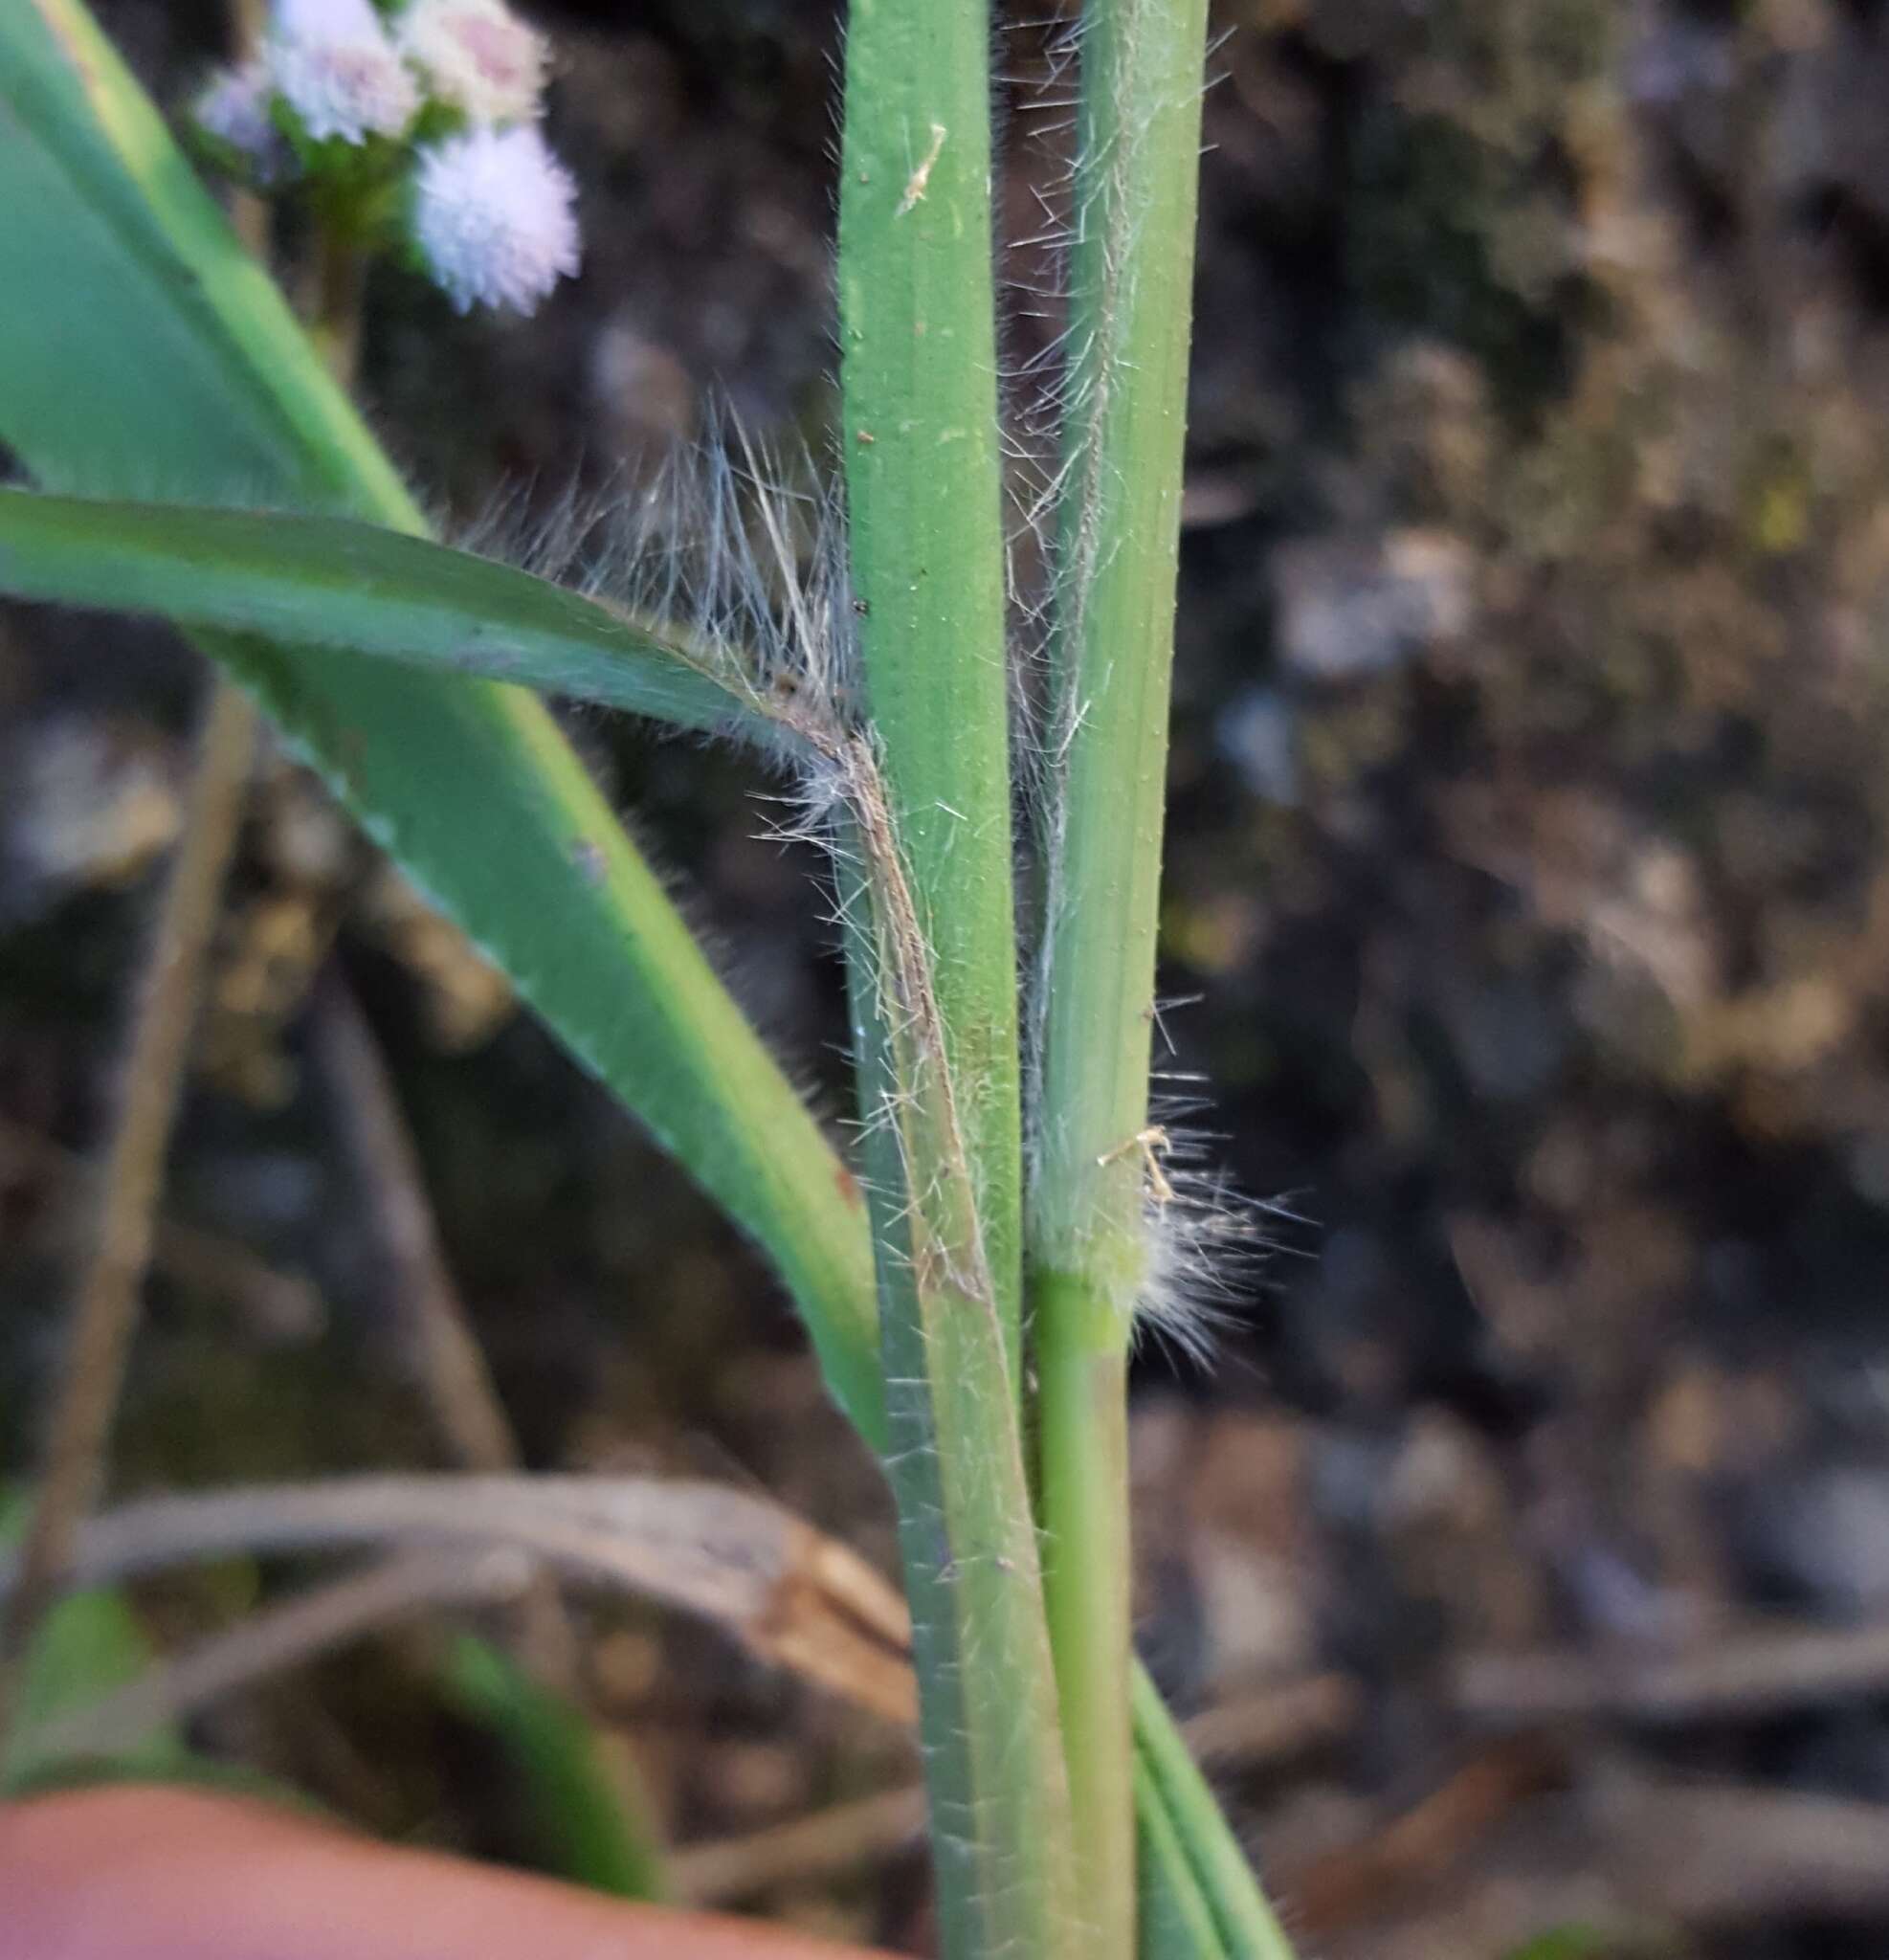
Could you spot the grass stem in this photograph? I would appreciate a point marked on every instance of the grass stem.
(994, 1766)
(1082, 1483)
(1112, 646)
(924, 514)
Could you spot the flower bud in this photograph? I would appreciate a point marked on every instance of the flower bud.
(232, 110)
(493, 217)
(331, 61)
(477, 55)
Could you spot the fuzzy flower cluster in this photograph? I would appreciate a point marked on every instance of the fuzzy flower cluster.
(438, 99)
(332, 63)
(492, 218)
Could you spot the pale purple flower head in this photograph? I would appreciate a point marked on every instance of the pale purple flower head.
(494, 217)
(333, 62)
(323, 20)
(234, 107)
(477, 55)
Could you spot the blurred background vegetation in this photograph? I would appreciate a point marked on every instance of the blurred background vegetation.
(1527, 926)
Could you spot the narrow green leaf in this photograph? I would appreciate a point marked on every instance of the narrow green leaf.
(89, 1644)
(1179, 1814)
(336, 583)
(1113, 642)
(586, 1827)
(1113, 628)
(155, 355)
(1176, 1921)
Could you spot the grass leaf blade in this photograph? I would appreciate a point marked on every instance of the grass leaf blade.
(588, 1825)
(1180, 1819)
(162, 351)
(336, 583)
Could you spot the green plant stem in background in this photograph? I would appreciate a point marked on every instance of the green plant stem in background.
(1118, 526)
(924, 514)
(338, 286)
(1179, 1811)
(591, 1820)
(1175, 1917)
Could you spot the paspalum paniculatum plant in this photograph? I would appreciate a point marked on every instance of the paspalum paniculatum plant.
(987, 776)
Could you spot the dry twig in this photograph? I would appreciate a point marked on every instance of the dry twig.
(278, 1637)
(390, 1188)
(105, 1315)
(446, 1357)
(1265, 1727)
(840, 1839)
(1743, 1675)
(1364, 1880)
(1723, 1854)
(793, 1597)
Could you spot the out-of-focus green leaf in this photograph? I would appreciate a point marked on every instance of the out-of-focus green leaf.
(143, 352)
(1175, 1921)
(1576, 1942)
(1185, 1829)
(89, 1644)
(586, 1822)
(336, 583)
(141, 347)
